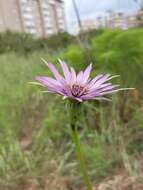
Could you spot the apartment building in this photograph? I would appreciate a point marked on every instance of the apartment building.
(39, 17)
(139, 17)
(124, 21)
(87, 25)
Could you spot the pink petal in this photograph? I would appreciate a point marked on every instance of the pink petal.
(92, 82)
(111, 87)
(80, 77)
(78, 99)
(95, 98)
(50, 83)
(86, 73)
(90, 95)
(104, 87)
(73, 76)
(101, 80)
(54, 71)
(114, 91)
(66, 71)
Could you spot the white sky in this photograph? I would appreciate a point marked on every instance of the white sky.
(90, 9)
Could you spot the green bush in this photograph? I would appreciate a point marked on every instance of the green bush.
(24, 43)
(74, 55)
(120, 52)
(16, 42)
(56, 42)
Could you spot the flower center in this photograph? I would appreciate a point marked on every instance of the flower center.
(77, 90)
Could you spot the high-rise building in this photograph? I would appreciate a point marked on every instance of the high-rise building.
(87, 25)
(139, 18)
(121, 20)
(40, 17)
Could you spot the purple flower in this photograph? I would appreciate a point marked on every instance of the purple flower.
(78, 86)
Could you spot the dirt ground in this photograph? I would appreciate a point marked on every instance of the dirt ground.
(118, 182)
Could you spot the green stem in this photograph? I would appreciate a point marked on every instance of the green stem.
(76, 140)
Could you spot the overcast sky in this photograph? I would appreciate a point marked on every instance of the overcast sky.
(90, 9)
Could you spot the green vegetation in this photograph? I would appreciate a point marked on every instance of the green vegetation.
(25, 44)
(35, 148)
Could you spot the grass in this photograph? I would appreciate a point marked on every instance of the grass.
(35, 148)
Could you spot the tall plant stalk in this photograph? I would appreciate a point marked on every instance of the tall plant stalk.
(74, 114)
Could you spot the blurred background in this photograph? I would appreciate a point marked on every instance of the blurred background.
(36, 152)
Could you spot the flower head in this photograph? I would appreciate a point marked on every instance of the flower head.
(78, 86)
